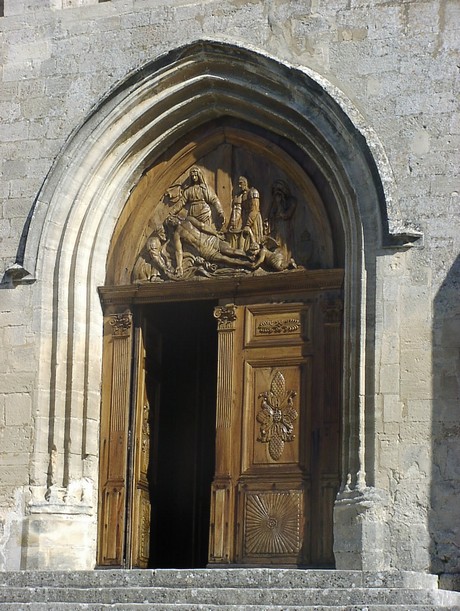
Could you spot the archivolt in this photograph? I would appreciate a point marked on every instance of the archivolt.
(77, 209)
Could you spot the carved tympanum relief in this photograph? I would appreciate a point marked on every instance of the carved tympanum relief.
(191, 236)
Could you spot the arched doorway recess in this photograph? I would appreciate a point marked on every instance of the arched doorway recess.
(239, 452)
(84, 199)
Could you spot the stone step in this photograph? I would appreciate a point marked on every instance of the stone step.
(290, 597)
(33, 606)
(223, 589)
(237, 578)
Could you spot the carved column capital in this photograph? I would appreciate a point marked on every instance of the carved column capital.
(332, 311)
(121, 324)
(226, 317)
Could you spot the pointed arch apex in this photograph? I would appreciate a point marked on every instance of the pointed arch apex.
(232, 80)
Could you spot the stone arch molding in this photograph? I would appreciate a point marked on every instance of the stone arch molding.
(78, 206)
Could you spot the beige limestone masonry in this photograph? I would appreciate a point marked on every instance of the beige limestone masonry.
(392, 69)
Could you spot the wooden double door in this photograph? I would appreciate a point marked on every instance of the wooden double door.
(220, 432)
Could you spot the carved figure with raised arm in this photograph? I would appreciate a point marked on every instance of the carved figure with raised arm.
(200, 200)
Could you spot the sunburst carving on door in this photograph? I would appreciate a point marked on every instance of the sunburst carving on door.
(272, 523)
(277, 416)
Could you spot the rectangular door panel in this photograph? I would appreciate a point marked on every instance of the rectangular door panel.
(277, 325)
(272, 523)
(274, 407)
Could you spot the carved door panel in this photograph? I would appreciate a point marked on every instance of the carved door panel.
(275, 483)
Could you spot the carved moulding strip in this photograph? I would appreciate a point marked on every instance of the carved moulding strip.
(226, 325)
(281, 327)
(272, 523)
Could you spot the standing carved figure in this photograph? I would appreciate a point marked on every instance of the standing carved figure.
(280, 217)
(200, 200)
(246, 227)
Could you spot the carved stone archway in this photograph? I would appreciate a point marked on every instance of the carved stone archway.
(68, 239)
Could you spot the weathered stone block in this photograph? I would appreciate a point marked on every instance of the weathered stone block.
(18, 409)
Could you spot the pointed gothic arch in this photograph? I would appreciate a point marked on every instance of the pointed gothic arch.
(67, 241)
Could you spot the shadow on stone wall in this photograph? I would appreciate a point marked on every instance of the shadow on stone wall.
(444, 516)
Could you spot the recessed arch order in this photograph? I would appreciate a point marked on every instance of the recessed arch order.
(76, 211)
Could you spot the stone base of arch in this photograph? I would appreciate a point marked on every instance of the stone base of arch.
(59, 532)
(361, 530)
(60, 535)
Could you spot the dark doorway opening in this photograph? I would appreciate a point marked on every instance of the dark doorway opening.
(181, 383)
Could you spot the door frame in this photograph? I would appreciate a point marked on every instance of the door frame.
(119, 389)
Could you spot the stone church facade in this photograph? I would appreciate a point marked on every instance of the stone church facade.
(343, 116)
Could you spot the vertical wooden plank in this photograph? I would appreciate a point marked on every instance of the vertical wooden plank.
(139, 502)
(221, 540)
(116, 386)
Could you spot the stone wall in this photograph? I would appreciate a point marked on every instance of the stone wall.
(395, 61)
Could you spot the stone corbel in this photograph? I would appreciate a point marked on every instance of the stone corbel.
(404, 237)
(17, 274)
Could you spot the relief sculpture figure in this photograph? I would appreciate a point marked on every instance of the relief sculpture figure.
(208, 246)
(270, 256)
(199, 199)
(280, 217)
(246, 227)
(152, 264)
(188, 238)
